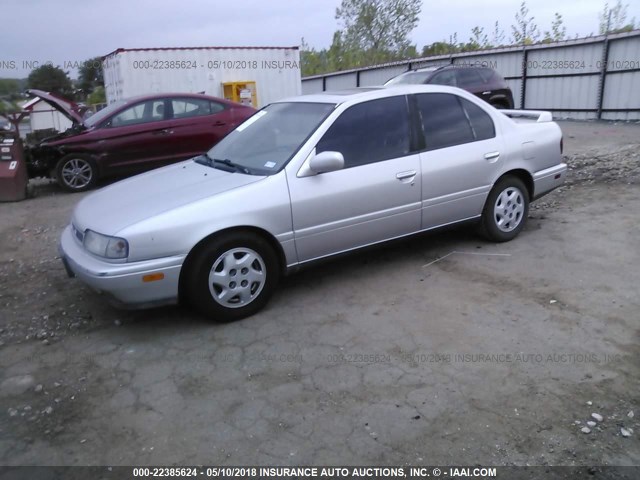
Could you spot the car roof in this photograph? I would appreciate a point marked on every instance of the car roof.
(154, 96)
(356, 95)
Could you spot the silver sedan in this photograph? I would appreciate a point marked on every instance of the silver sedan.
(307, 178)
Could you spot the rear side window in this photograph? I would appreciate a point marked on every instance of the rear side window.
(487, 74)
(449, 120)
(468, 77)
(444, 123)
(370, 132)
(194, 107)
(481, 122)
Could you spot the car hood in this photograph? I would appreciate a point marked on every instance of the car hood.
(138, 198)
(69, 109)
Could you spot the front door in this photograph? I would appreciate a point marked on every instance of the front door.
(135, 139)
(374, 198)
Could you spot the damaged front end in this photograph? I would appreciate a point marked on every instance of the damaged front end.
(41, 160)
(41, 157)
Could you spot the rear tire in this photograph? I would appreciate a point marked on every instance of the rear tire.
(76, 173)
(506, 210)
(232, 277)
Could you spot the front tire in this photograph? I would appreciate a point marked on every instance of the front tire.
(232, 277)
(76, 173)
(506, 210)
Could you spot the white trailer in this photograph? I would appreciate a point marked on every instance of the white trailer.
(139, 71)
(42, 116)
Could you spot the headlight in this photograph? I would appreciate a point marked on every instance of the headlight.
(105, 246)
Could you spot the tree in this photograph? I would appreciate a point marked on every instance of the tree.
(438, 48)
(9, 87)
(614, 20)
(90, 75)
(525, 32)
(341, 54)
(378, 27)
(310, 60)
(51, 79)
(498, 35)
(558, 30)
(97, 96)
(477, 40)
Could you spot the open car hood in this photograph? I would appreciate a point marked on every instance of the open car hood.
(69, 109)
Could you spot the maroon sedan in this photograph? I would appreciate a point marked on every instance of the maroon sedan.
(131, 136)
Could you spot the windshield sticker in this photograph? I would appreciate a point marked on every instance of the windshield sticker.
(251, 120)
(270, 164)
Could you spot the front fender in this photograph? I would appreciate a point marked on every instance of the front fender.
(264, 205)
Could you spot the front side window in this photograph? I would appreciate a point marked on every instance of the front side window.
(149, 111)
(370, 132)
(449, 120)
(448, 77)
(410, 78)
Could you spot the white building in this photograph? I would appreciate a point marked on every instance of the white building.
(140, 71)
(43, 116)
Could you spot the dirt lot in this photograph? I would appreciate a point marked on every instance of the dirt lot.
(410, 354)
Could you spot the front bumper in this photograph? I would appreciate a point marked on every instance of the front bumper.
(547, 180)
(122, 282)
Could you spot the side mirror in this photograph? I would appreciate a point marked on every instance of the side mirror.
(326, 162)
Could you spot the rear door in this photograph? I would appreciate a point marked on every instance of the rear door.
(377, 194)
(198, 124)
(461, 157)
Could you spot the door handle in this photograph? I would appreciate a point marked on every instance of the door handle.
(406, 175)
(492, 156)
(164, 131)
(486, 93)
(219, 124)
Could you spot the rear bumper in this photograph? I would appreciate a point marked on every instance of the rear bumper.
(548, 180)
(122, 283)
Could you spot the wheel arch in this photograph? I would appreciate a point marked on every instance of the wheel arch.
(498, 103)
(523, 175)
(65, 152)
(193, 253)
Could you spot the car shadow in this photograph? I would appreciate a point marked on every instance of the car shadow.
(420, 247)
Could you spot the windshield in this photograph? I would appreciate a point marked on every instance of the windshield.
(412, 78)
(265, 142)
(101, 115)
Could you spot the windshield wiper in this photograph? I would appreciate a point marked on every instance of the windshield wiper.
(231, 164)
(212, 163)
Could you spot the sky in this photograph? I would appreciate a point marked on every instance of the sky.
(67, 32)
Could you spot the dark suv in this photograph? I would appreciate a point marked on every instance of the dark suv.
(483, 82)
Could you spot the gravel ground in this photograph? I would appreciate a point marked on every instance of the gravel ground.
(84, 383)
